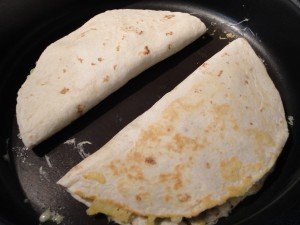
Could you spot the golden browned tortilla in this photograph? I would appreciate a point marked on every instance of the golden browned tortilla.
(209, 140)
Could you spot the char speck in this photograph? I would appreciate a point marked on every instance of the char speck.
(150, 160)
(64, 90)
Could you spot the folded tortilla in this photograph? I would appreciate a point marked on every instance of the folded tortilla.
(209, 140)
(78, 71)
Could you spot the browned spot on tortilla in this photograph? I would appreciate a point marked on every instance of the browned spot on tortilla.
(183, 143)
(85, 197)
(135, 156)
(262, 138)
(167, 198)
(113, 167)
(207, 165)
(138, 198)
(169, 16)
(237, 63)
(115, 67)
(100, 59)
(105, 79)
(135, 173)
(251, 123)
(146, 50)
(31, 94)
(64, 90)
(262, 109)
(150, 160)
(118, 48)
(169, 33)
(174, 178)
(169, 46)
(140, 32)
(204, 65)
(103, 43)
(93, 64)
(80, 109)
(183, 197)
(235, 125)
(80, 59)
(246, 82)
(232, 169)
(152, 134)
(241, 189)
(224, 54)
(141, 196)
(123, 37)
(220, 73)
(64, 70)
(227, 62)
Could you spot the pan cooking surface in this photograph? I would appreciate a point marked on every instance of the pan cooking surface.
(39, 170)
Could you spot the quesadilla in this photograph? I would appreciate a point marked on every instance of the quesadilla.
(78, 71)
(208, 141)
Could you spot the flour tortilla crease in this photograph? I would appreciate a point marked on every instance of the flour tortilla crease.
(209, 140)
(78, 71)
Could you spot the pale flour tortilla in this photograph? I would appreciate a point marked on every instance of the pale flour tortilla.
(209, 140)
(78, 71)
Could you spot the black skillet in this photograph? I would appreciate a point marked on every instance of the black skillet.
(28, 26)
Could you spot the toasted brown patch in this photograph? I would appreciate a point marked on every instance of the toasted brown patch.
(93, 64)
(150, 160)
(103, 43)
(174, 178)
(80, 59)
(232, 169)
(183, 143)
(246, 82)
(64, 70)
(224, 54)
(100, 59)
(169, 16)
(167, 198)
(220, 73)
(64, 90)
(207, 165)
(183, 197)
(138, 198)
(105, 79)
(118, 48)
(261, 138)
(83, 196)
(169, 33)
(99, 177)
(115, 67)
(141, 196)
(169, 46)
(80, 109)
(135, 173)
(146, 50)
(204, 65)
